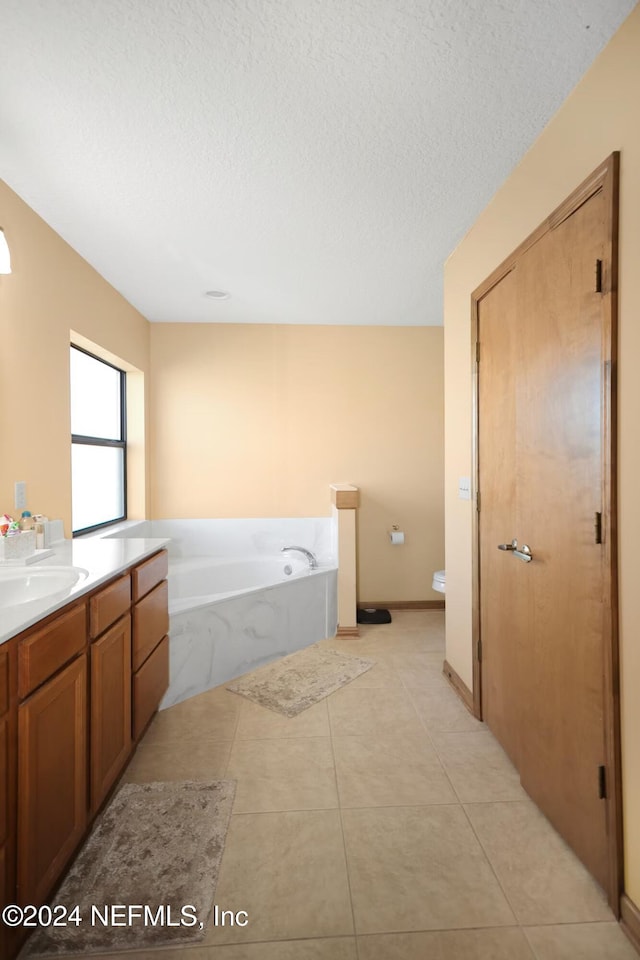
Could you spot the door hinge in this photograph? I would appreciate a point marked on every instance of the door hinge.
(597, 523)
(478, 501)
(479, 648)
(598, 276)
(477, 351)
(602, 783)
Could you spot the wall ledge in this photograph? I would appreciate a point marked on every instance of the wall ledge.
(345, 496)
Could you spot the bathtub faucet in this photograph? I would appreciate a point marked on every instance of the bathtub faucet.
(311, 557)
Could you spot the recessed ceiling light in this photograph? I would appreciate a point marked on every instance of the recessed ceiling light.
(217, 294)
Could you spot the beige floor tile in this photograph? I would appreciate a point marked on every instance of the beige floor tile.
(543, 879)
(365, 711)
(402, 642)
(210, 716)
(338, 948)
(288, 871)
(429, 623)
(420, 670)
(352, 646)
(477, 766)
(580, 941)
(414, 660)
(506, 943)
(295, 774)
(419, 868)
(204, 760)
(258, 723)
(440, 708)
(389, 771)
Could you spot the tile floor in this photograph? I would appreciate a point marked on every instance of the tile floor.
(384, 823)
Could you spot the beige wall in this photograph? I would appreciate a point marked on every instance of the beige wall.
(599, 117)
(52, 291)
(248, 420)
(259, 420)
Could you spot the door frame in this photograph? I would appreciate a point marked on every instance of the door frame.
(606, 179)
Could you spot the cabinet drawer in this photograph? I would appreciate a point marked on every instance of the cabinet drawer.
(148, 574)
(42, 653)
(4, 681)
(149, 686)
(150, 622)
(109, 605)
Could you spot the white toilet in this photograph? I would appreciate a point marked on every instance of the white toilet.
(439, 580)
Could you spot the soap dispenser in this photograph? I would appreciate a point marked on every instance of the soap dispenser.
(26, 521)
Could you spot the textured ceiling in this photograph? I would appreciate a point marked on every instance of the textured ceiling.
(317, 158)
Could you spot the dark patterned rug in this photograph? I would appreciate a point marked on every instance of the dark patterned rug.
(147, 875)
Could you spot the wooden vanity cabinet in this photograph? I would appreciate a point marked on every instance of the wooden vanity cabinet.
(52, 779)
(69, 704)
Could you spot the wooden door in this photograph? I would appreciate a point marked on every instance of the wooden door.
(500, 621)
(110, 708)
(52, 780)
(546, 651)
(559, 482)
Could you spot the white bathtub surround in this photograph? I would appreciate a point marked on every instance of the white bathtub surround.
(233, 539)
(217, 638)
(236, 600)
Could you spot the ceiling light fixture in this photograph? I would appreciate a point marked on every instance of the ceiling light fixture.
(5, 256)
(218, 294)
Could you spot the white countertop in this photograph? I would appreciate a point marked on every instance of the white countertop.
(103, 558)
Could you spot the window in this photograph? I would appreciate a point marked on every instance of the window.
(98, 442)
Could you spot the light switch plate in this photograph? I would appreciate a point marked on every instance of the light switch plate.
(464, 488)
(20, 495)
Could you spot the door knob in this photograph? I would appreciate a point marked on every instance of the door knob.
(524, 553)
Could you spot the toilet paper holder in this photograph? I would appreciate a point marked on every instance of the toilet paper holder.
(396, 535)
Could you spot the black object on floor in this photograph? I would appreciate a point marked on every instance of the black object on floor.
(371, 615)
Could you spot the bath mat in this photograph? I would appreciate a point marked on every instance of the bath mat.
(157, 845)
(296, 682)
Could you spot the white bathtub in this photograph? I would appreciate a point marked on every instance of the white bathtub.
(202, 580)
(236, 601)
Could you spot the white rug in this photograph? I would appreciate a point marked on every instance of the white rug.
(296, 682)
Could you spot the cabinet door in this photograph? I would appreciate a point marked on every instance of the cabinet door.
(110, 708)
(149, 686)
(52, 780)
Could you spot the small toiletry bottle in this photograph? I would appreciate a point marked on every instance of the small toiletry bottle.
(26, 521)
(39, 536)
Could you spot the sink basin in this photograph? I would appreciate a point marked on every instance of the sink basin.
(20, 585)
